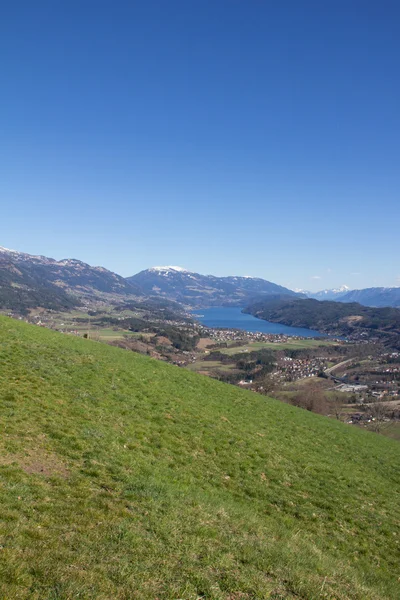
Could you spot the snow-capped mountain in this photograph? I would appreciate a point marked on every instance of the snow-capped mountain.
(28, 281)
(194, 289)
(167, 270)
(334, 294)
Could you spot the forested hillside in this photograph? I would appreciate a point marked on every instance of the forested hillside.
(328, 316)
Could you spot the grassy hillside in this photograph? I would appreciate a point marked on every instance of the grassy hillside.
(122, 477)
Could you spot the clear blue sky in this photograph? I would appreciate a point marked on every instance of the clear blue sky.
(240, 137)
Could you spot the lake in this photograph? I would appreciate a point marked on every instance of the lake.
(233, 318)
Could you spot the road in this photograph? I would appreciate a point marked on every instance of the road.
(338, 365)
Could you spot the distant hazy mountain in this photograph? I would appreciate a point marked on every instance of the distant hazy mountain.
(379, 296)
(201, 291)
(28, 281)
(374, 296)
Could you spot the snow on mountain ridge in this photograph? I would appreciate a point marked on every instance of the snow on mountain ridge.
(23, 256)
(169, 268)
(8, 250)
(343, 288)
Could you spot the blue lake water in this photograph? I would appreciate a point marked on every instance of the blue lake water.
(233, 318)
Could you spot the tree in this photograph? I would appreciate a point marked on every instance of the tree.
(381, 416)
(311, 398)
(335, 403)
(265, 384)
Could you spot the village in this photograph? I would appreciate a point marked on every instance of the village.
(241, 337)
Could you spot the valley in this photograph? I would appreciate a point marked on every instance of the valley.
(267, 363)
(173, 315)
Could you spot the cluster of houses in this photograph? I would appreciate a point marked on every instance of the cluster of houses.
(221, 336)
(290, 369)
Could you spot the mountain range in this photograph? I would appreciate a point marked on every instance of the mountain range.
(374, 296)
(200, 291)
(28, 281)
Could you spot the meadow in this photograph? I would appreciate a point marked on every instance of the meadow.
(127, 478)
(209, 365)
(294, 344)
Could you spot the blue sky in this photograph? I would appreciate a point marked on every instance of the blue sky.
(230, 137)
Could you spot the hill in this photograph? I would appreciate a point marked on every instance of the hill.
(201, 291)
(28, 281)
(123, 477)
(330, 317)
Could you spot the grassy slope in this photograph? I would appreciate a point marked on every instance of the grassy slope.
(122, 477)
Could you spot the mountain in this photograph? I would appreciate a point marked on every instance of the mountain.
(379, 296)
(200, 291)
(331, 317)
(20, 289)
(28, 281)
(125, 477)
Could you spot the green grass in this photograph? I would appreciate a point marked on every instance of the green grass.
(126, 478)
(109, 334)
(290, 344)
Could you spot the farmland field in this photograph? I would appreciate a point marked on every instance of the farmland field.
(290, 344)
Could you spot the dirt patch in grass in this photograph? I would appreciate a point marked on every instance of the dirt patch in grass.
(204, 343)
(37, 462)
